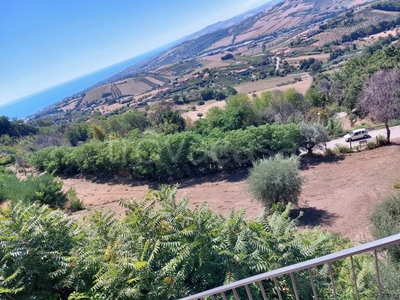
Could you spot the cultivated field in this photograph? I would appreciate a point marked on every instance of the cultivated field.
(94, 94)
(155, 81)
(130, 87)
(69, 106)
(271, 84)
(223, 42)
(213, 64)
(323, 56)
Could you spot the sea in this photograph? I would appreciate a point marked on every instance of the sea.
(26, 106)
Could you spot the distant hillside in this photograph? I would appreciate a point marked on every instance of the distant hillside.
(230, 22)
(276, 27)
(275, 17)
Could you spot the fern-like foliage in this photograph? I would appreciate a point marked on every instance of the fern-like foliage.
(161, 249)
(35, 248)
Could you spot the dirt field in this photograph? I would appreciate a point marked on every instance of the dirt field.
(130, 87)
(69, 106)
(338, 193)
(271, 84)
(223, 42)
(203, 109)
(323, 56)
(212, 64)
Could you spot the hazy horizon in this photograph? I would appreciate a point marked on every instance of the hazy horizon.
(66, 43)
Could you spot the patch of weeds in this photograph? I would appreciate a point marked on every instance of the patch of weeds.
(75, 204)
(329, 152)
(380, 141)
(371, 145)
(342, 149)
(396, 185)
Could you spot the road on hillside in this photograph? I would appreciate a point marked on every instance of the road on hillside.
(394, 134)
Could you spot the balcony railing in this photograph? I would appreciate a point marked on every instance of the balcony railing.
(232, 288)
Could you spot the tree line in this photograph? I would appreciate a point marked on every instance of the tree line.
(371, 29)
(387, 5)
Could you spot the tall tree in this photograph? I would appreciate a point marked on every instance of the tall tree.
(381, 97)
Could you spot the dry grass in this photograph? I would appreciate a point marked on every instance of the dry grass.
(374, 37)
(213, 64)
(192, 115)
(323, 56)
(94, 94)
(156, 81)
(271, 84)
(133, 88)
(299, 86)
(226, 41)
(69, 106)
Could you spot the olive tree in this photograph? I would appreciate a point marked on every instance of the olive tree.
(276, 180)
(381, 97)
(312, 136)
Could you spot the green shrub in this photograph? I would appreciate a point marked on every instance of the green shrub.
(342, 149)
(6, 159)
(171, 156)
(380, 140)
(334, 126)
(44, 189)
(276, 180)
(200, 102)
(35, 248)
(329, 152)
(75, 204)
(390, 277)
(396, 185)
(371, 145)
(385, 220)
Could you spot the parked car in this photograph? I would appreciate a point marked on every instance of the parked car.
(356, 135)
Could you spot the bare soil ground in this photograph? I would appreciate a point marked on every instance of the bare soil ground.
(211, 64)
(338, 193)
(130, 87)
(94, 94)
(223, 42)
(69, 106)
(271, 84)
(300, 86)
(323, 56)
(156, 81)
(203, 109)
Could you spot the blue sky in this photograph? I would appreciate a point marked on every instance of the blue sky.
(47, 42)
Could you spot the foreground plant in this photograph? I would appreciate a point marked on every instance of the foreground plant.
(35, 250)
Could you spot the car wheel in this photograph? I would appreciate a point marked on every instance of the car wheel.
(349, 140)
(365, 136)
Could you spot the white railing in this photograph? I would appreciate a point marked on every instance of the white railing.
(307, 265)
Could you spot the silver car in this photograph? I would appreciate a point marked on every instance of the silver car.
(356, 135)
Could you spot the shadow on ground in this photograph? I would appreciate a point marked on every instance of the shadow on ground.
(232, 176)
(310, 162)
(313, 216)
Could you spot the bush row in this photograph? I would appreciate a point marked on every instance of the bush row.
(169, 157)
